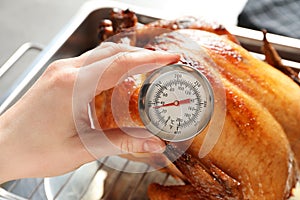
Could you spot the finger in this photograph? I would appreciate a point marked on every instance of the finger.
(117, 142)
(129, 63)
(135, 140)
(104, 74)
(104, 50)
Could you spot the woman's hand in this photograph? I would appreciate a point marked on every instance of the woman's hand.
(39, 136)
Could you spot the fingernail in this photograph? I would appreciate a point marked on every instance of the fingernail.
(153, 146)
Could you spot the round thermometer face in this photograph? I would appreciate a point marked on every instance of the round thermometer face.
(176, 102)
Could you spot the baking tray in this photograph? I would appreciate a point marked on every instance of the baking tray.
(79, 36)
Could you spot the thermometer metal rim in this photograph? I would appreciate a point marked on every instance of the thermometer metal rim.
(149, 83)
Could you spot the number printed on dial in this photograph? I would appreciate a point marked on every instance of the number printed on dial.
(177, 102)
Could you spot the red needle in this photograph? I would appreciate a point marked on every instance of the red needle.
(175, 103)
(185, 101)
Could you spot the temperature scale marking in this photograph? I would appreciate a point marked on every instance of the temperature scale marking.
(176, 102)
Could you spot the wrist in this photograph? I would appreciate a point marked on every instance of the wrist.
(7, 148)
(3, 152)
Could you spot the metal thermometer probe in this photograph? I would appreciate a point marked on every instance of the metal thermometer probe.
(176, 102)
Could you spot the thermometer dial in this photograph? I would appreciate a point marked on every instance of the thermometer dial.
(176, 102)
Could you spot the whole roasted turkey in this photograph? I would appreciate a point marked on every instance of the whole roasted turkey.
(256, 155)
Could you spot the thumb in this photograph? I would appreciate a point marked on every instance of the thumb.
(134, 140)
(121, 141)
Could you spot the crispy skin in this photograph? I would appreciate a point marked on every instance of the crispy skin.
(259, 159)
(207, 179)
(174, 192)
(141, 36)
(190, 22)
(252, 149)
(268, 86)
(256, 123)
(261, 124)
(273, 58)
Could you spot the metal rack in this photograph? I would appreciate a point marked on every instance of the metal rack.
(118, 184)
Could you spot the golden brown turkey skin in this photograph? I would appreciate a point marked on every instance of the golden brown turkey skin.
(189, 22)
(262, 117)
(257, 120)
(253, 154)
(252, 149)
(175, 192)
(269, 87)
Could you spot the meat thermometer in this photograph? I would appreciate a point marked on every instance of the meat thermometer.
(176, 102)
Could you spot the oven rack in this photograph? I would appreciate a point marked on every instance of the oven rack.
(131, 186)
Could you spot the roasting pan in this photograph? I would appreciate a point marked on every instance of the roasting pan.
(78, 36)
